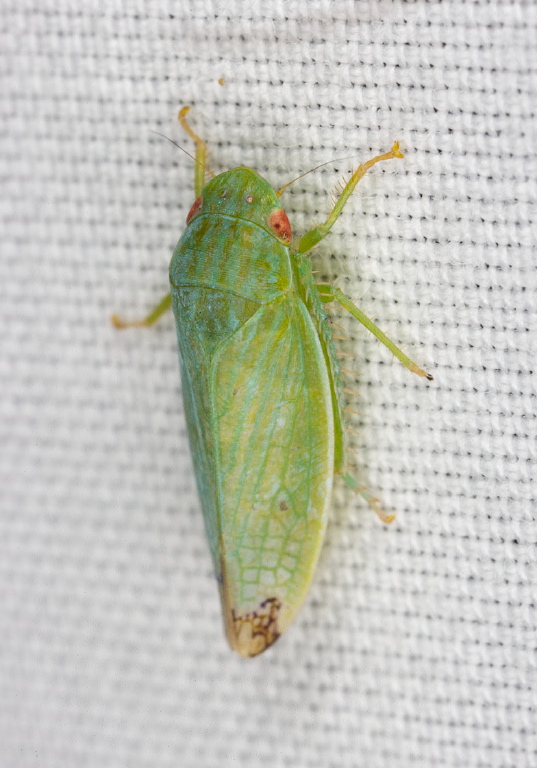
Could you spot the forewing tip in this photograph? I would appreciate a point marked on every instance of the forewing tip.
(250, 634)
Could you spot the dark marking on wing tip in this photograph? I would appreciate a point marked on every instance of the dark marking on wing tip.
(284, 506)
(254, 632)
(280, 225)
(196, 205)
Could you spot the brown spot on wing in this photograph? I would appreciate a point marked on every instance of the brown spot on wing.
(252, 633)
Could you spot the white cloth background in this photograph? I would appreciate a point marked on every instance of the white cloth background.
(417, 645)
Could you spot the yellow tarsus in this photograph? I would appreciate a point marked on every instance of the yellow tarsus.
(181, 116)
(374, 503)
(201, 169)
(396, 152)
(120, 324)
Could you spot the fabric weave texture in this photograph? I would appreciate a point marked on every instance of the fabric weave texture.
(416, 647)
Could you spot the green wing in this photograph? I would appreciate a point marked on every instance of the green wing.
(259, 412)
(205, 318)
(273, 438)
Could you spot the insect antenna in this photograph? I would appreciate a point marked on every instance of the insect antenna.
(336, 160)
(201, 165)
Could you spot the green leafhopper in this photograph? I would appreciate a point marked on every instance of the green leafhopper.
(261, 389)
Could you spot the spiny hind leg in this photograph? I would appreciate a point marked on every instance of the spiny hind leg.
(328, 293)
(373, 502)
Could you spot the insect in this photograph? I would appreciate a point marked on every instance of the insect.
(261, 388)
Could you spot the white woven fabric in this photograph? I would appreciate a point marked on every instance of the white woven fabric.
(417, 645)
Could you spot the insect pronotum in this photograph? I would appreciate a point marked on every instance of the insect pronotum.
(261, 390)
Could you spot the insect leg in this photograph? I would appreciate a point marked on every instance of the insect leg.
(329, 293)
(151, 318)
(316, 234)
(199, 183)
(373, 502)
(201, 152)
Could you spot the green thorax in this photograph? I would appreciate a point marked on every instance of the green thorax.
(229, 245)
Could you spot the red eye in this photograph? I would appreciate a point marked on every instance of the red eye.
(196, 205)
(279, 222)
